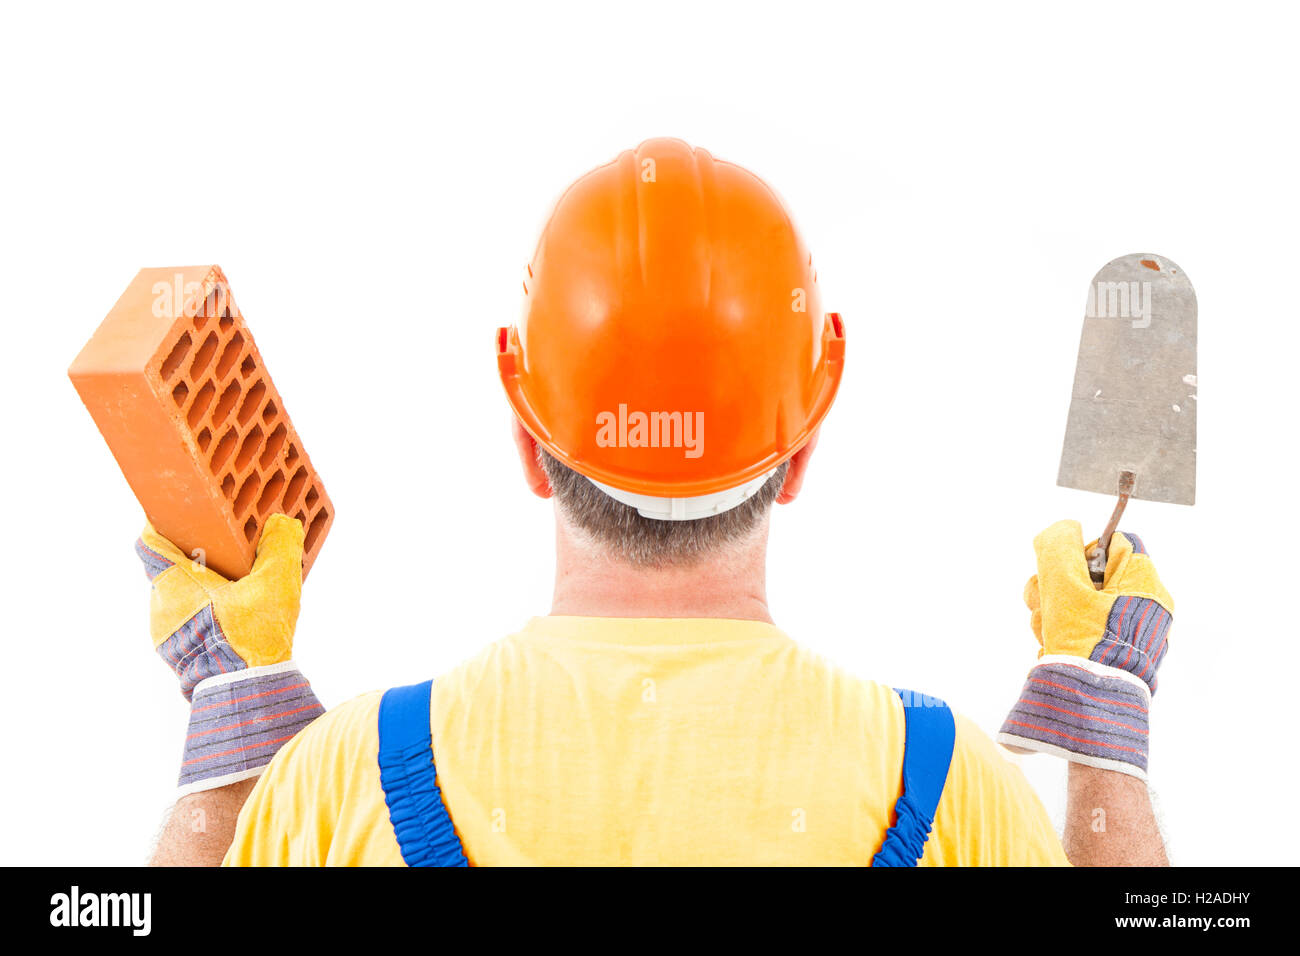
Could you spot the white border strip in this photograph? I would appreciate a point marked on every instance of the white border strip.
(687, 509)
(212, 783)
(1098, 670)
(1026, 745)
(234, 677)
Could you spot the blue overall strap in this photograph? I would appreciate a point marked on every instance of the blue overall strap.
(927, 752)
(420, 820)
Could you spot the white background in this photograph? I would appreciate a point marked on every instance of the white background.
(372, 181)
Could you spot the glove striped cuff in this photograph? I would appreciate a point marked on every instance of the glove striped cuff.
(239, 720)
(1083, 711)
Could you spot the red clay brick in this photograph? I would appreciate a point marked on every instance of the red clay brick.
(177, 387)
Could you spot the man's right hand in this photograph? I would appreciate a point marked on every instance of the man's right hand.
(1088, 698)
(230, 643)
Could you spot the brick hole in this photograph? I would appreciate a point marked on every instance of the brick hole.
(270, 493)
(316, 528)
(230, 354)
(203, 357)
(269, 412)
(247, 367)
(228, 486)
(252, 442)
(180, 393)
(246, 492)
(205, 439)
(174, 358)
(273, 445)
(250, 530)
(302, 516)
(201, 402)
(224, 404)
(313, 496)
(295, 488)
(226, 321)
(291, 455)
(224, 448)
(251, 401)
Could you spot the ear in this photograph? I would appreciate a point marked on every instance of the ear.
(798, 468)
(534, 474)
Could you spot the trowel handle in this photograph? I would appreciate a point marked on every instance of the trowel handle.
(1097, 554)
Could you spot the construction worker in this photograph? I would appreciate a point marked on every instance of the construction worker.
(668, 378)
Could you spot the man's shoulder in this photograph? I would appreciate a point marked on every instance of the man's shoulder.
(328, 757)
(319, 800)
(975, 755)
(975, 750)
(349, 715)
(353, 726)
(989, 814)
(344, 728)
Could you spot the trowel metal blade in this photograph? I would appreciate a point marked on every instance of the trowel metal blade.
(1133, 407)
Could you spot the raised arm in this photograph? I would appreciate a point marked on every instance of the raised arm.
(230, 643)
(1109, 820)
(199, 828)
(1089, 696)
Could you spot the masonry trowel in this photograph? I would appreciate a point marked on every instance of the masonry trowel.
(1132, 425)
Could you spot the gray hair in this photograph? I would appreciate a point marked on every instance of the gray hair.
(629, 536)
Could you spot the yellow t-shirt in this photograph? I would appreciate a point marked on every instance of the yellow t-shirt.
(644, 741)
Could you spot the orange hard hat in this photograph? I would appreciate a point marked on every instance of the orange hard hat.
(672, 345)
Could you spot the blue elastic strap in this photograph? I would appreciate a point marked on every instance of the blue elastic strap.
(927, 753)
(420, 820)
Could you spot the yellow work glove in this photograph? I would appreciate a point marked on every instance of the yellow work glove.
(1088, 698)
(231, 643)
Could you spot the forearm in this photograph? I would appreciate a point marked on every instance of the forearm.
(1109, 820)
(234, 661)
(200, 827)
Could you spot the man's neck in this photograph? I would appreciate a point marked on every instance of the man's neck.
(592, 584)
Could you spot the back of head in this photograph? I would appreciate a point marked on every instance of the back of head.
(672, 352)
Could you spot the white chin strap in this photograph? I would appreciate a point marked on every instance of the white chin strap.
(687, 509)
